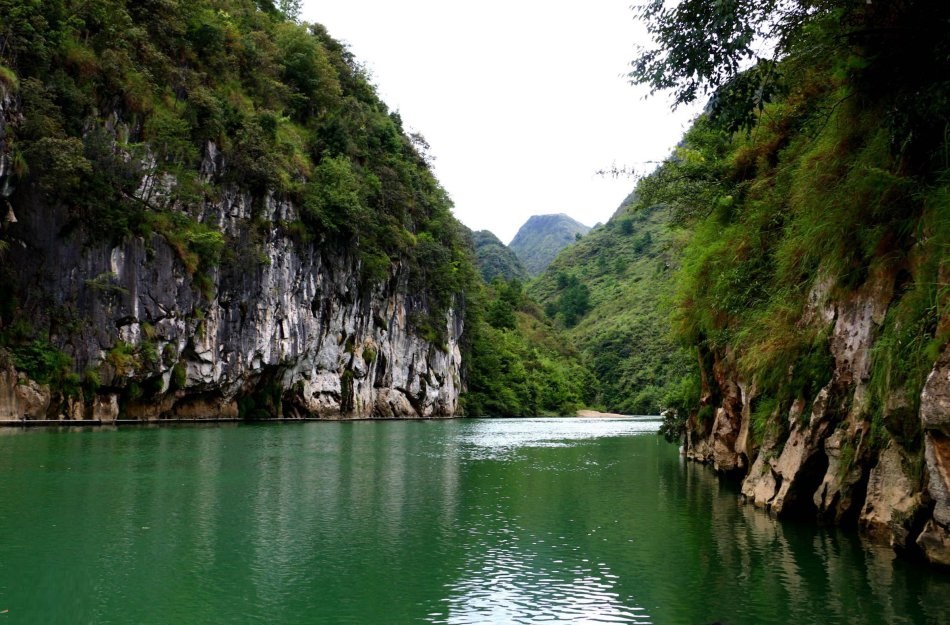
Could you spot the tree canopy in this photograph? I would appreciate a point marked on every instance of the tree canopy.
(744, 53)
(700, 45)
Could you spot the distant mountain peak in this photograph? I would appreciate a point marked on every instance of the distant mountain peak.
(542, 237)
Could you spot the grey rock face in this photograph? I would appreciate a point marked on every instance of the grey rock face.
(816, 466)
(21, 398)
(934, 541)
(7, 114)
(280, 328)
(935, 398)
(723, 445)
(893, 498)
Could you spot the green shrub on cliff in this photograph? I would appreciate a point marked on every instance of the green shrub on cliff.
(912, 335)
(8, 78)
(42, 362)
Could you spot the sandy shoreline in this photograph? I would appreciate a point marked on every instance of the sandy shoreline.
(601, 415)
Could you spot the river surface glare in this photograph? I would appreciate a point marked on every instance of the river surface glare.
(553, 521)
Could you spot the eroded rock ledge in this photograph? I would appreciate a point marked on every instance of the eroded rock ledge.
(825, 463)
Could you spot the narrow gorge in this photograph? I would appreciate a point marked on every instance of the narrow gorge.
(209, 214)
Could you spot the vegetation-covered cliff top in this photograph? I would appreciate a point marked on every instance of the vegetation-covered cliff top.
(111, 92)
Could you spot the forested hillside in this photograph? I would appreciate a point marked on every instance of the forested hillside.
(611, 292)
(495, 259)
(521, 365)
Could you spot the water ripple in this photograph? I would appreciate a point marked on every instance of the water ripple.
(500, 439)
(547, 581)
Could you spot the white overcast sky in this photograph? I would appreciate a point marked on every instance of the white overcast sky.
(522, 101)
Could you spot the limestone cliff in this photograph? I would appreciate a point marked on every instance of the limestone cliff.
(279, 328)
(826, 461)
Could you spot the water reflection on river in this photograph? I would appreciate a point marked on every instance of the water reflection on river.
(564, 521)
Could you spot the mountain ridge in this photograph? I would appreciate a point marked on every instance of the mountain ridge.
(542, 237)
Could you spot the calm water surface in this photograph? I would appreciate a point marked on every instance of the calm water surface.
(555, 521)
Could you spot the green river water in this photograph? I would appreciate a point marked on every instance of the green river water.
(551, 521)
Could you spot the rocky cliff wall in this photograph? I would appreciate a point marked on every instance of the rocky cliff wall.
(825, 461)
(9, 114)
(279, 328)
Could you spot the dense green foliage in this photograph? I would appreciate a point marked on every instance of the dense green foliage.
(746, 53)
(840, 186)
(573, 300)
(541, 238)
(610, 291)
(122, 102)
(519, 364)
(495, 259)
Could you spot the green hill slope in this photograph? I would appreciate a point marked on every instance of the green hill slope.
(495, 259)
(521, 365)
(624, 268)
(541, 238)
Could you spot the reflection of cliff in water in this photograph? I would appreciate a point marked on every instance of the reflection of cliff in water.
(797, 573)
(626, 524)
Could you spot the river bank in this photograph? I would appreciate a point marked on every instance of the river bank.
(594, 414)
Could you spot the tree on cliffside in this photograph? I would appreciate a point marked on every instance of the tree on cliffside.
(731, 49)
(702, 45)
